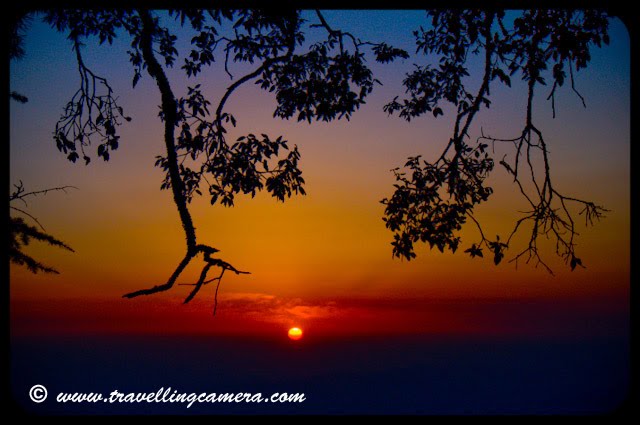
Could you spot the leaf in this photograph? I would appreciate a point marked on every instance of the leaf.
(575, 262)
(497, 72)
(136, 77)
(474, 251)
(498, 257)
(109, 129)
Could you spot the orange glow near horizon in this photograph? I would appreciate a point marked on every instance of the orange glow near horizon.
(322, 261)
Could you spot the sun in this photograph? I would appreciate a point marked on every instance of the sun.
(295, 333)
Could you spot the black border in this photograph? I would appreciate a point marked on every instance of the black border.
(631, 19)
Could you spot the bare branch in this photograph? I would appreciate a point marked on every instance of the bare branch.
(573, 86)
(246, 78)
(215, 298)
(165, 286)
(20, 194)
(203, 276)
(28, 215)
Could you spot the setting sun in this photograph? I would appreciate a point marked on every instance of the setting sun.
(295, 333)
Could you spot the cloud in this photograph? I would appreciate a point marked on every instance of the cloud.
(312, 311)
(270, 308)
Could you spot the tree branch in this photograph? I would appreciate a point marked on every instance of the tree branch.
(166, 286)
(248, 77)
(169, 108)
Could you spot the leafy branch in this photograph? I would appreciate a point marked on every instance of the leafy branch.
(93, 111)
(21, 234)
(324, 83)
(232, 168)
(432, 201)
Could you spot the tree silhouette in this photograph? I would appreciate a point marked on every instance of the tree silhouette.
(432, 200)
(19, 22)
(328, 81)
(20, 233)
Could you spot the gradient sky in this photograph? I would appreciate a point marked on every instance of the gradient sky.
(323, 261)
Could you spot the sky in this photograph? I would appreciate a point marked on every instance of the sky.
(322, 262)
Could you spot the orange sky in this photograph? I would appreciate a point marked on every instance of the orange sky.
(323, 260)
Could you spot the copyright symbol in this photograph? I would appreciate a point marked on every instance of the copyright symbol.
(38, 393)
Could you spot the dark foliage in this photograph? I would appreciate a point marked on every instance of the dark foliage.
(22, 234)
(432, 200)
(329, 81)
